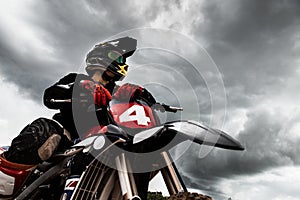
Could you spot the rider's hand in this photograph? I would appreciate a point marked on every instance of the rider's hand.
(101, 95)
(128, 91)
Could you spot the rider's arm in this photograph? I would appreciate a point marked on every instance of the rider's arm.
(62, 90)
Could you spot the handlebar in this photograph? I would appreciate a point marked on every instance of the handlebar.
(60, 100)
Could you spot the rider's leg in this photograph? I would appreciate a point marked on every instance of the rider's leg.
(36, 142)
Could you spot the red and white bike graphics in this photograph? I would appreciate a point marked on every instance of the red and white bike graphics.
(133, 115)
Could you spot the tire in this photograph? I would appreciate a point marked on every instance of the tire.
(189, 196)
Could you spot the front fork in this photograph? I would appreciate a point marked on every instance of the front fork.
(171, 176)
(127, 182)
(169, 173)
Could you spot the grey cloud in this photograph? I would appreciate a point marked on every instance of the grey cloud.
(251, 42)
(268, 142)
(24, 70)
(245, 24)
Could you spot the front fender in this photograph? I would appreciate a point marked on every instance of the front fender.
(191, 130)
(203, 134)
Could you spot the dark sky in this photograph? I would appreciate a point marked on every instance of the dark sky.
(232, 64)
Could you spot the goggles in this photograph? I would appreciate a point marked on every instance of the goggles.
(116, 56)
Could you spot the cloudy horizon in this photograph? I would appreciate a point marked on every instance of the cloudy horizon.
(241, 74)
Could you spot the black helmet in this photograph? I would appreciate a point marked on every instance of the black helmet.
(111, 55)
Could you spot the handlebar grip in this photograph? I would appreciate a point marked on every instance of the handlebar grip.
(171, 108)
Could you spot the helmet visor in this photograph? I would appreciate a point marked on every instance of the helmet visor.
(116, 56)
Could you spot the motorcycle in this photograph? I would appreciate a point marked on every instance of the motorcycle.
(112, 157)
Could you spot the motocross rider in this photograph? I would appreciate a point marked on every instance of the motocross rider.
(105, 64)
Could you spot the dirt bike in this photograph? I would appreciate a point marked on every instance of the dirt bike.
(112, 157)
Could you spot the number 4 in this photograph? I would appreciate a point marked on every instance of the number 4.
(135, 113)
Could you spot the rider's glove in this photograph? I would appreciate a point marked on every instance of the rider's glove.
(100, 94)
(127, 92)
